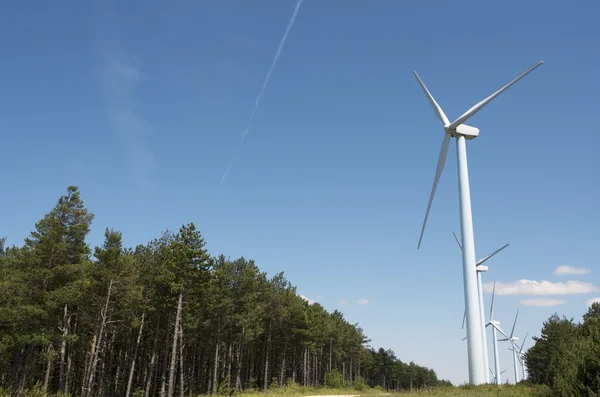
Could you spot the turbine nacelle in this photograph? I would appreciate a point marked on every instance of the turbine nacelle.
(465, 130)
(481, 268)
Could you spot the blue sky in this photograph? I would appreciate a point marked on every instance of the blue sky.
(142, 104)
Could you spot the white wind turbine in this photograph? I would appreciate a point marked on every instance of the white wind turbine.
(513, 339)
(457, 129)
(521, 355)
(480, 268)
(495, 327)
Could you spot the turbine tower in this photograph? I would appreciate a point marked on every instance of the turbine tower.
(480, 268)
(457, 129)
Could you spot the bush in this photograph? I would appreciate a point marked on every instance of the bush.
(334, 379)
(274, 383)
(360, 384)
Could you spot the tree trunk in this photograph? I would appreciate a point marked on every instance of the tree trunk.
(133, 359)
(69, 366)
(294, 365)
(305, 371)
(63, 350)
(268, 348)
(26, 366)
(174, 347)
(152, 360)
(94, 358)
(104, 348)
(88, 366)
(282, 373)
(215, 370)
(238, 377)
(181, 357)
(230, 354)
(48, 367)
(330, 352)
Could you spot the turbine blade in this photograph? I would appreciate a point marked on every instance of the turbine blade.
(477, 107)
(502, 372)
(502, 332)
(464, 338)
(491, 372)
(523, 344)
(438, 173)
(464, 318)
(483, 260)
(434, 105)
(457, 241)
(512, 332)
(492, 308)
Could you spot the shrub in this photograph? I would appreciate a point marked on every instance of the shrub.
(334, 379)
(360, 384)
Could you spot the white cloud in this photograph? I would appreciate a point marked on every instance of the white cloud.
(532, 287)
(564, 269)
(593, 300)
(362, 301)
(342, 301)
(310, 301)
(542, 302)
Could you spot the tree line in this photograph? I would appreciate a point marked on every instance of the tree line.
(566, 356)
(167, 318)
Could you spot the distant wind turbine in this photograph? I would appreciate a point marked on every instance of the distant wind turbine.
(521, 355)
(457, 129)
(513, 339)
(495, 326)
(480, 268)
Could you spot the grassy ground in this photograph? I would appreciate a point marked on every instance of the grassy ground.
(461, 391)
(483, 391)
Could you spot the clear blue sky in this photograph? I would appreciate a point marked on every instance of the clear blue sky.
(142, 104)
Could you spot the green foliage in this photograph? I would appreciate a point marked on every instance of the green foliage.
(567, 355)
(360, 384)
(334, 379)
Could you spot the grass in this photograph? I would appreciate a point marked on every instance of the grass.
(294, 390)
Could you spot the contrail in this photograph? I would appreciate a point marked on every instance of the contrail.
(256, 103)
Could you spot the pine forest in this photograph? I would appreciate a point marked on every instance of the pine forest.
(167, 319)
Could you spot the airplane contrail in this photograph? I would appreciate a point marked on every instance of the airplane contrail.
(260, 93)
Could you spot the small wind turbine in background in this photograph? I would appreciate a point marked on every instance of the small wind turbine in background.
(480, 268)
(521, 355)
(495, 327)
(457, 129)
(513, 339)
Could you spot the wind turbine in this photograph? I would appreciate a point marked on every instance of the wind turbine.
(480, 268)
(457, 129)
(495, 326)
(521, 355)
(513, 339)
